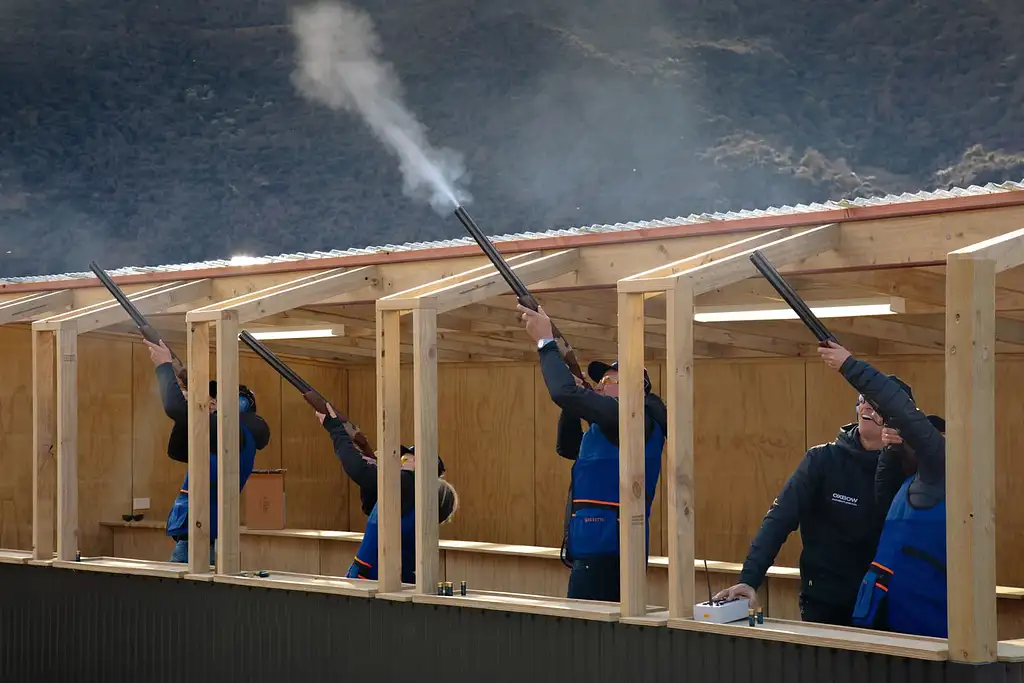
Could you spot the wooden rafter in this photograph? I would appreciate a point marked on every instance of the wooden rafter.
(286, 296)
(448, 296)
(156, 300)
(33, 305)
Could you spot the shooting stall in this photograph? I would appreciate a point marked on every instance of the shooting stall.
(634, 294)
(970, 412)
(55, 409)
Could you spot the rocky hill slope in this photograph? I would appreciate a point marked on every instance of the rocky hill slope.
(142, 133)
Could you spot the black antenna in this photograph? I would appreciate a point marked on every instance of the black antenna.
(707, 575)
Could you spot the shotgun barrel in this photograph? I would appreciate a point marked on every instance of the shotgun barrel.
(791, 298)
(148, 332)
(518, 288)
(311, 395)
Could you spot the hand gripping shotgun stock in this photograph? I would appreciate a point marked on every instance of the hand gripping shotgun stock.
(312, 397)
(522, 293)
(147, 330)
(792, 299)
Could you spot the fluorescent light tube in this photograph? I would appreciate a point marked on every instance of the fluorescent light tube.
(294, 334)
(835, 309)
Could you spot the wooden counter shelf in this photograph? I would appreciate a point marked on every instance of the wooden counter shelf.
(15, 556)
(529, 604)
(800, 633)
(333, 585)
(121, 565)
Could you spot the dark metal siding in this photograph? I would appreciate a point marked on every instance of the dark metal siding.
(60, 625)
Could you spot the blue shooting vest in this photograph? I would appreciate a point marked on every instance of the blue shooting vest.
(592, 527)
(365, 564)
(904, 590)
(177, 520)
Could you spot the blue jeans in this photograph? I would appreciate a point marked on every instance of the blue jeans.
(180, 553)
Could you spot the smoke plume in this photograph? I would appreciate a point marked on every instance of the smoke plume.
(339, 65)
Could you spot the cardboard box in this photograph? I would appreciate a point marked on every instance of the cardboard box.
(264, 500)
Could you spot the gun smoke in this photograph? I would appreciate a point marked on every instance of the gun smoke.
(339, 65)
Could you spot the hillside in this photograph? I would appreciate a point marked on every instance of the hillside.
(141, 134)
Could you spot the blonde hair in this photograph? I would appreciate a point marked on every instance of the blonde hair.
(446, 491)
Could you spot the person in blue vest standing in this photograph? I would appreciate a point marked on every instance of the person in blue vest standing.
(904, 589)
(363, 472)
(254, 435)
(590, 544)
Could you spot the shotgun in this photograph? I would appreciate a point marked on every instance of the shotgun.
(312, 397)
(791, 298)
(519, 289)
(149, 333)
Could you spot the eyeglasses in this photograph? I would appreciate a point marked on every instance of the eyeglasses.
(137, 517)
(608, 380)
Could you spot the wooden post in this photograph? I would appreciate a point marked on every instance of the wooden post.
(679, 478)
(44, 429)
(67, 442)
(389, 434)
(199, 447)
(424, 321)
(632, 492)
(970, 457)
(228, 556)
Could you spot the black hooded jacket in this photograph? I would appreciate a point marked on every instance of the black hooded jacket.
(830, 497)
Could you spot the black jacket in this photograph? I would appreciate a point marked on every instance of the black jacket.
(899, 411)
(364, 473)
(831, 498)
(176, 408)
(578, 403)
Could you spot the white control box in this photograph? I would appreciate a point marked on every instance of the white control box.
(722, 611)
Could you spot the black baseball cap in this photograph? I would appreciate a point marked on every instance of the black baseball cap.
(598, 369)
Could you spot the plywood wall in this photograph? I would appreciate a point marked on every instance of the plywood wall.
(754, 421)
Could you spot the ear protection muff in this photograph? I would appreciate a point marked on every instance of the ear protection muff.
(246, 400)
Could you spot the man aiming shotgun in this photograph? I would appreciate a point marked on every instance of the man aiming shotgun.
(590, 543)
(363, 471)
(254, 434)
(367, 494)
(829, 498)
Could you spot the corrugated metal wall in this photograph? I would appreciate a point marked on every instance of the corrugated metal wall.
(60, 625)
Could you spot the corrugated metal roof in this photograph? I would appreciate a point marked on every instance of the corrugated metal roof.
(692, 219)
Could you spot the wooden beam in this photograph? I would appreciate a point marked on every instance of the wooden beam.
(228, 466)
(632, 492)
(680, 475)
(44, 432)
(424, 324)
(1003, 251)
(33, 305)
(147, 303)
(389, 435)
(67, 442)
(304, 291)
(658, 279)
(784, 252)
(50, 323)
(486, 286)
(449, 280)
(970, 451)
(199, 447)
